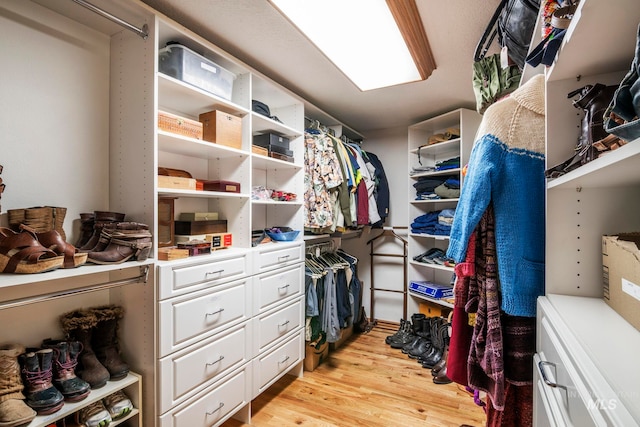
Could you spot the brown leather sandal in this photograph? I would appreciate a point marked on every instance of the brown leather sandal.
(22, 253)
(54, 241)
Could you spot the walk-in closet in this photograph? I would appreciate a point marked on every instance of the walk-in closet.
(208, 220)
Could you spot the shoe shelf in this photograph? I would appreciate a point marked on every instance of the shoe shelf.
(433, 300)
(95, 395)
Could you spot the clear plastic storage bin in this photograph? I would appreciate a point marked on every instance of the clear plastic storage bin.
(184, 64)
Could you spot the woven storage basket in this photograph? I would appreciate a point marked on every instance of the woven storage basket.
(180, 125)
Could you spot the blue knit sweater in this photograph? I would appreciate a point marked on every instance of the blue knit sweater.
(506, 168)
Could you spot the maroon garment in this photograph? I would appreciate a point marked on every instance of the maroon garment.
(460, 340)
(362, 206)
(519, 408)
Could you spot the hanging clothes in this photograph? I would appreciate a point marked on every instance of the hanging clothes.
(381, 189)
(322, 175)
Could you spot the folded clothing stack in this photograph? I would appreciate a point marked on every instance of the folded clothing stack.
(437, 187)
(437, 223)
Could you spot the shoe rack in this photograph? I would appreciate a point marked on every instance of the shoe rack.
(467, 121)
(584, 346)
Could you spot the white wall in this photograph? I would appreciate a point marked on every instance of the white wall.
(390, 145)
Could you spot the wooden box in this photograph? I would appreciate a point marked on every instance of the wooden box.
(180, 125)
(166, 230)
(198, 216)
(200, 227)
(430, 309)
(256, 149)
(176, 182)
(225, 186)
(171, 253)
(222, 128)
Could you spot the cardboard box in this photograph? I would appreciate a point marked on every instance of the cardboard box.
(176, 182)
(345, 334)
(314, 356)
(431, 290)
(432, 309)
(222, 128)
(621, 275)
(219, 240)
(201, 227)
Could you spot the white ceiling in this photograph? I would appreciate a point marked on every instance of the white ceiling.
(254, 32)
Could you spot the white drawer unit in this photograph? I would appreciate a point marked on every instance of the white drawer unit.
(277, 255)
(572, 387)
(188, 371)
(214, 405)
(275, 287)
(189, 318)
(273, 325)
(190, 275)
(272, 365)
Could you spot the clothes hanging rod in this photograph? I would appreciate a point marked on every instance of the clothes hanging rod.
(142, 32)
(143, 277)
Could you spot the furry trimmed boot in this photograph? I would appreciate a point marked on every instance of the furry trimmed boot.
(37, 372)
(79, 325)
(105, 340)
(14, 412)
(65, 359)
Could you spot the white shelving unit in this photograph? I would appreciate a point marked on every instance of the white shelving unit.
(467, 121)
(591, 353)
(97, 146)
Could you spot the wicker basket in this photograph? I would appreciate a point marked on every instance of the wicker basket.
(179, 125)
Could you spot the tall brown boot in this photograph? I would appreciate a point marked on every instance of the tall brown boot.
(79, 325)
(13, 411)
(105, 340)
(102, 219)
(58, 220)
(87, 221)
(40, 218)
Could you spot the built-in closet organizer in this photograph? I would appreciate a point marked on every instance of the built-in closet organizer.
(586, 363)
(422, 154)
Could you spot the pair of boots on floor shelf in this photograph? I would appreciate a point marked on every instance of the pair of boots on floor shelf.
(40, 380)
(425, 339)
(34, 246)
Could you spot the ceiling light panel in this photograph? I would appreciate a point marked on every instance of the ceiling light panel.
(359, 36)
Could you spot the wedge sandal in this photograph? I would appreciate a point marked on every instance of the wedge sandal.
(54, 241)
(22, 253)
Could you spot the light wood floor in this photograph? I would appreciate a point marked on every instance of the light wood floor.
(364, 383)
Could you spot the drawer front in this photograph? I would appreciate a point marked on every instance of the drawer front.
(216, 404)
(546, 412)
(274, 287)
(277, 255)
(189, 318)
(274, 325)
(186, 372)
(269, 367)
(178, 280)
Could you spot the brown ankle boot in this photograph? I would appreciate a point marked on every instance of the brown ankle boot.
(102, 219)
(13, 410)
(87, 221)
(129, 240)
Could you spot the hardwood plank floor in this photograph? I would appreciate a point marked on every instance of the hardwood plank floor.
(364, 383)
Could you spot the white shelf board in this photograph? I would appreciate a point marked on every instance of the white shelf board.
(433, 266)
(183, 145)
(438, 148)
(455, 171)
(263, 124)
(269, 163)
(433, 300)
(429, 236)
(173, 192)
(276, 202)
(422, 202)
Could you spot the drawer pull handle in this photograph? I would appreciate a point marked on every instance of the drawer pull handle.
(283, 287)
(283, 258)
(220, 310)
(217, 361)
(284, 324)
(284, 361)
(216, 410)
(546, 380)
(214, 272)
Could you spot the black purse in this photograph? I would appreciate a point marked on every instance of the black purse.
(513, 22)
